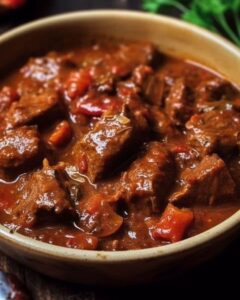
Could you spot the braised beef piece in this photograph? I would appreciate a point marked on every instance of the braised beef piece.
(150, 177)
(113, 138)
(18, 146)
(153, 88)
(161, 123)
(33, 108)
(129, 93)
(103, 79)
(146, 84)
(179, 102)
(132, 55)
(42, 69)
(214, 131)
(215, 94)
(121, 64)
(207, 183)
(40, 198)
(214, 90)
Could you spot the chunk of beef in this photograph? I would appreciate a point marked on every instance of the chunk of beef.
(207, 183)
(214, 90)
(113, 137)
(129, 93)
(131, 55)
(120, 64)
(18, 146)
(152, 86)
(40, 195)
(103, 79)
(150, 177)
(161, 123)
(128, 90)
(178, 104)
(215, 94)
(42, 69)
(214, 131)
(32, 108)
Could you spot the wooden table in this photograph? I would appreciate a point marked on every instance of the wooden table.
(215, 278)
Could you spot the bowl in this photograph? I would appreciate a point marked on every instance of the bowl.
(172, 37)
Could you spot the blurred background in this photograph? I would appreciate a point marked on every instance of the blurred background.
(220, 16)
(34, 9)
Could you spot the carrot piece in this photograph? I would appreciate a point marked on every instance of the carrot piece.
(77, 84)
(173, 224)
(61, 135)
(95, 106)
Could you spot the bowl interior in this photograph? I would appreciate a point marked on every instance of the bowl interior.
(171, 36)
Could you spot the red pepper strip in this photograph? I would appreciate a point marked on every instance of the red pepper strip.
(77, 84)
(173, 224)
(95, 107)
(61, 135)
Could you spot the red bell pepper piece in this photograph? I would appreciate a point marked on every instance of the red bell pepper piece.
(95, 107)
(61, 135)
(77, 84)
(173, 224)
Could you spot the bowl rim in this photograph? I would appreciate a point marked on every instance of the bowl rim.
(98, 256)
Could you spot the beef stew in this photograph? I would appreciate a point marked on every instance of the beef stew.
(116, 146)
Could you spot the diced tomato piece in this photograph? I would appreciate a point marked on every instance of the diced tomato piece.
(7, 96)
(173, 224)
(82, 241)
(61, 135)
(100, 216)
(6, 198)
(94, 107)
(77, 84)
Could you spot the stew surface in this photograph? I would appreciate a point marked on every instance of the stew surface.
(115, 146)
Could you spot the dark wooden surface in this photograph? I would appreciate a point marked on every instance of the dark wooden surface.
(216, 278)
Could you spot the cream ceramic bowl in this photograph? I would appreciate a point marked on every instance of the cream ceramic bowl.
(174, 37)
